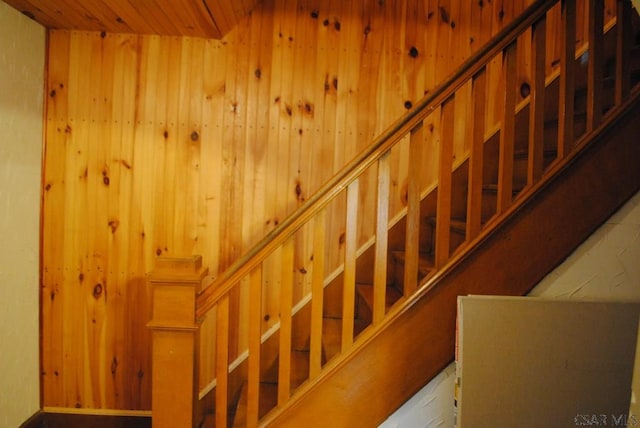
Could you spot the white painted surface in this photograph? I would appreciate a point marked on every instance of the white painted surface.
(605, 266)
(22, 53)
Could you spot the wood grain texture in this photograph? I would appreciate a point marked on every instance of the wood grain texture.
(167, 17)
(160, 145)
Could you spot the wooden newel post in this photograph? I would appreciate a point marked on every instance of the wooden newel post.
(175, 283)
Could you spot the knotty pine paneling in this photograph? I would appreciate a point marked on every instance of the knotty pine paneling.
(160, 145)
(163, 17)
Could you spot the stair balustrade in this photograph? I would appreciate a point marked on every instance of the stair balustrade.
(530, 133)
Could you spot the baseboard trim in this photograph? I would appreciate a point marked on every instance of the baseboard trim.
(82, 418)
(97, 412)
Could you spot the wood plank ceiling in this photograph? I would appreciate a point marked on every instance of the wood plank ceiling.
(197, 18)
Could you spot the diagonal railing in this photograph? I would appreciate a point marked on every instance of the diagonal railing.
(489, 88)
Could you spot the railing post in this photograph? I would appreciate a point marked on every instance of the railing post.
(175, 283)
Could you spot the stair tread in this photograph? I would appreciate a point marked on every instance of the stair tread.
(299, 369)
(524, 154)
(392, 294)
(331, 337)
(425, 261)
(457, 225)
(493, 188)
(268, 400)
(269, 386)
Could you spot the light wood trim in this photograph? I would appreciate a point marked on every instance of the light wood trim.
(381, 251)
(317, 294)
(365, 159)
(255, 333)
(508, 129)
(412, 233)
(445, 180)
(623, 50)
(566, 106)
(222, 361)
(476, 155)
(595, 66)
(286, 305)
(350, 256)
(96, 412)
(537, 101)
(175, 338)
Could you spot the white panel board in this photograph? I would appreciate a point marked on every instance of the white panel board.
(533, 362)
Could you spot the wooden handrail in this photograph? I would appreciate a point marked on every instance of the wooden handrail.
(381, 145)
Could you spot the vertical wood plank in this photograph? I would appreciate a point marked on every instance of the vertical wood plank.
(142, 250)
(215, 69)
(595, 68)
(623, 49)
(382, 230)
(317, 294)
(258, 75)
(286, 302)
(122, 106)
(232, 176)
(255, 333)
(75, 385)
(412, 234)
(54, 214)
(431, 43)
(443, 209)
(537, 102)
(350, 254)
(507, 130)
(566, 100)
(476, 155)
(222, 361)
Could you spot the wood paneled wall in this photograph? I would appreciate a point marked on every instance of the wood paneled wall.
(178, 146)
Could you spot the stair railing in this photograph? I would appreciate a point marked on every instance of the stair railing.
(176, 395)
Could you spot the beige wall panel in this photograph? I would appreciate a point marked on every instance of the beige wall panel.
(22, 79)
(548, 362)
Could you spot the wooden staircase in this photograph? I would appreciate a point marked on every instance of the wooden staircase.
(370, 332)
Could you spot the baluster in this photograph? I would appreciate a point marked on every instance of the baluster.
(443, 209)
(476, 155)
(623, 50)
(350, 248)
(412, 246)
(566, 107)
(317, 294)
(286, 303)
(222, 361)
(596, 64)
(507, 130)
(255, 333)
(536, 101)
(382, 228)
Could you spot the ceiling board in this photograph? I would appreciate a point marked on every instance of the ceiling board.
(197, 18)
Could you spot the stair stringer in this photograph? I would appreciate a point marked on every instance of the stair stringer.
(417, 339)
